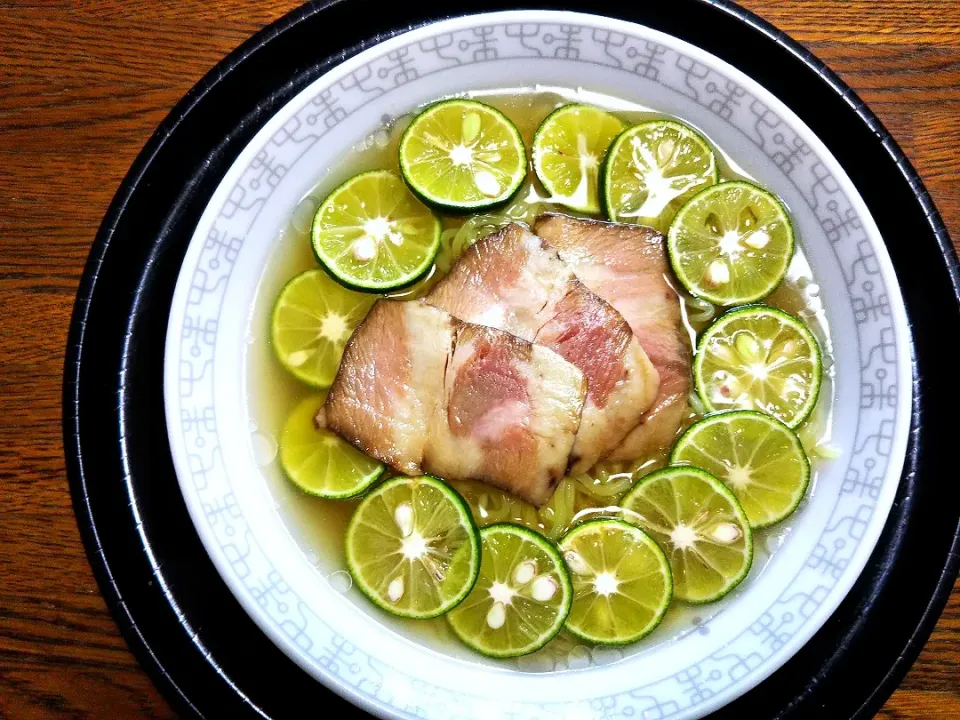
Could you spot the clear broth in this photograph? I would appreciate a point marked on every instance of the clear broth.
(318, 526)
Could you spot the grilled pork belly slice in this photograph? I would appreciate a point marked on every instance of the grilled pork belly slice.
(513, 281)
(627, 266)
(423, 391)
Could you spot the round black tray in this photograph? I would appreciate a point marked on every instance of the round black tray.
(185, 627)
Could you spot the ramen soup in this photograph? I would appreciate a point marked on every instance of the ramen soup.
(643, 506)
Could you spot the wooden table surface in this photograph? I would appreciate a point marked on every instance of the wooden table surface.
(83, 84)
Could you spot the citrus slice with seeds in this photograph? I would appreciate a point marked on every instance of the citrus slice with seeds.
(412, 547)
(522, 597)
(311, 322)
(700, 526)
(463, 155)
(759, 358)
(622, 584)
(568, 150)
(652, 169)
(371, 234)
(755, 455)
(731, 243)
(318, 461)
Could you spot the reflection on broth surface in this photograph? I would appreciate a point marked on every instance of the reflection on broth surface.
(319, 525)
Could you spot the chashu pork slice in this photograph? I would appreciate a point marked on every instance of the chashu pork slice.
(627, 266)
(423, 391)
(513, 281)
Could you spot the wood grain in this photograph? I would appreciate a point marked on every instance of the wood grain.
(83, 83)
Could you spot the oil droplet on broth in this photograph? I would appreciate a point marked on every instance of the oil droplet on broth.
(604, 655)
(538, 662)
(264, 448)
(340, 581)
(303, 214)
(381, 138)
(578, 658)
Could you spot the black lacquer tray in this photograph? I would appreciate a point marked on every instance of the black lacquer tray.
(188, 631)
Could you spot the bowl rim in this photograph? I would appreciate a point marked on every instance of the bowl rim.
(344, 70)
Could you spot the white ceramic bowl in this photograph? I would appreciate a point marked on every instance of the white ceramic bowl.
(340, 639)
